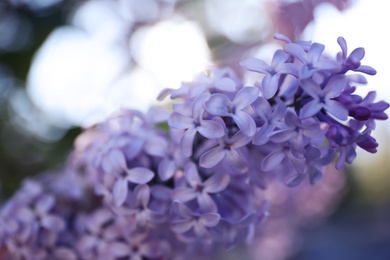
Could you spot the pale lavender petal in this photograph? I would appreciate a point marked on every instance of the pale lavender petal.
(187, 141)
(256, 65)
(139, 175)
(272, 160)
(181, 226)
(289, 68)
(245, 122)
(161, 192)
(245, 97)
(64, 253)
(192, 175)
(269, 86)
(211, 129)
(281, 136)
(236, 162)
(261, 137)
(335, 86)
(184, 194)
(206, 203)
(315, 52)
(209, 219)
(119, 249)
(279, 57)
(182, 210)
(202, 234)
(53, 223)
(262, 107)
(315, 175)
(212, 157)
(44, 204)
(291, 119)
(295, 180)
(239, 139)
(179, 121)
(297, 148)
(166, 169)
(298, 163)
(296, 51)
(366, 69)
(310, 109)
(343, 44)
(120, 191)
(225, 84)
(311, 88)
(216, 183)
(142, 195)
(336, 109)
(218, 104)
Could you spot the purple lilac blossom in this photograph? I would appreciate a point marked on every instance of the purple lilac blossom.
(142, 191)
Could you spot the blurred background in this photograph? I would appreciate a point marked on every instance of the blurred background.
(67, 64)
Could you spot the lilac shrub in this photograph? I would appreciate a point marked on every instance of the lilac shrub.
(186, 181)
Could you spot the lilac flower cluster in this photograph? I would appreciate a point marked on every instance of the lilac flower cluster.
(174, 182)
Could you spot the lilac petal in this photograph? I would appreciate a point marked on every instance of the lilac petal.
(211, 129)
(64, 253)
(245, 97)
(179, 121)
(281, 37)
(310, 109)
(202, 234)
(295, 180)
(44, 204)
(366, 69)
(139, 175)
(298, 163)
(119, 249)
(281, 136)
(120, 191)
(161, 192)
(336, 109)
(262, 107)
(187, 141)
(291, 119)
(272, 160)
(216, 183)
(279, 57)
(166, 169)
(315, 52)
(289, 68)
(256, 65)
(315, 175)
(245, 123)
(314, 130)
(239, 139)
(341, 160)
(218, 104)
(184, 194)
(181, 226)
(296, 51)
(311, 88)
(335, 86)
(261, 137)
(297, 146)
(142, 195)
(357, 78)
(343, 44)
(98, 219)
(209, 219)
(206, 203)
(181, 210)
(212, 157)
(269, 86)
(236, 162)
(53, 223)
(192, 175)
(225, 84)
(24, 214)
(356, 56)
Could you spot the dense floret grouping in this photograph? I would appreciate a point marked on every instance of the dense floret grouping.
(173, 182)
